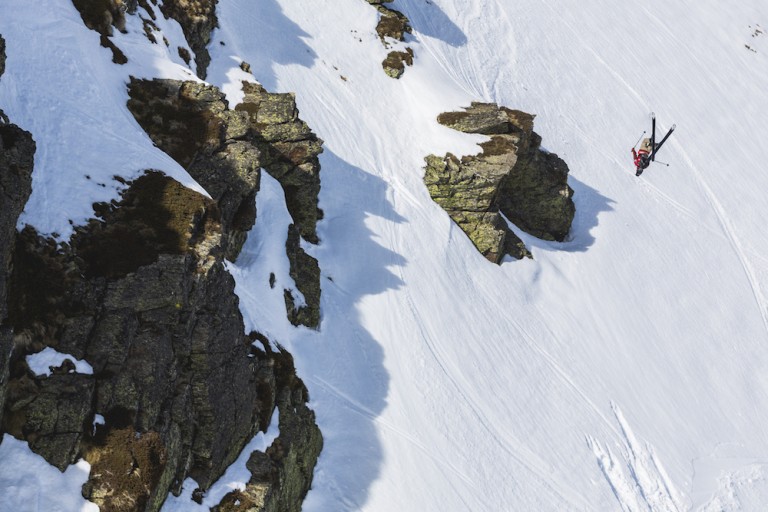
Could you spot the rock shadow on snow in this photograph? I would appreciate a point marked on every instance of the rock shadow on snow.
(352, 383)
(589, 205)
(433, 22)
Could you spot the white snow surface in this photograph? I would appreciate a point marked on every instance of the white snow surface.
(624, 369)
(41, 362)
(30, 484)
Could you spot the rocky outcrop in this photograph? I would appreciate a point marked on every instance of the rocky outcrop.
(17, 151)
(141, 293)
(512, 176)
(392, 26)
(197, 19)
(278, 474)
(224, 151)
(394, 64)
(103, 16)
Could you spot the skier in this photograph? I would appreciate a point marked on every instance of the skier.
(642, 156)
(648, 149)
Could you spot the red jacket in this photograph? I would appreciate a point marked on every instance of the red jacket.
(637, 155)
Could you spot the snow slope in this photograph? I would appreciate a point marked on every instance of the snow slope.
(625, 369)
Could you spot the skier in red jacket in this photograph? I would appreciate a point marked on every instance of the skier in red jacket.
(642, 156)
(648, 149)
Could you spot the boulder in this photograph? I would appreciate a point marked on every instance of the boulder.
(392, 26)
(512, 176)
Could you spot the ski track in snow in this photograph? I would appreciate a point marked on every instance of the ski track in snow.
(710, 196)
(728, 229)
(639, 481)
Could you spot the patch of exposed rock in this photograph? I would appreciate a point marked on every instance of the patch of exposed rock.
(197, 19)
(392, 26)
(512, 176)
(103, 16)
(17, 151)
(142, 294)
(286, 459)
(224, 150)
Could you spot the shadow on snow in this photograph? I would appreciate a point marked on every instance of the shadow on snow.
(349, 382)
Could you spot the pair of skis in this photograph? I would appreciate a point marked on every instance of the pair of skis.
(656, 147)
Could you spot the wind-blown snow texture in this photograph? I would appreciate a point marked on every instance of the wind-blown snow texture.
(626, 368)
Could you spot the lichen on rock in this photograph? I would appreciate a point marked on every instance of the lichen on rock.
(225, 149)
(197, 19)
(512, 176)
(392, 27)
(102, 16)
(181, 387)
(279, 474)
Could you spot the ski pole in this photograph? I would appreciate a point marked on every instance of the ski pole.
(638, 140)
(662, 163)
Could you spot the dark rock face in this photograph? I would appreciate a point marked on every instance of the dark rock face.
(102, 16)
(17, 151)
(181, 387)
(306, 274)
(511, 175)
(277, 473)
(197, 19)
(2, 56)
(224, 149)
(393, 25)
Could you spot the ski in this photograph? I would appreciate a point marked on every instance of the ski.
(653, 131)
(656, 148)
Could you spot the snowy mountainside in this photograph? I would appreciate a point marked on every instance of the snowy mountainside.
(624, 369)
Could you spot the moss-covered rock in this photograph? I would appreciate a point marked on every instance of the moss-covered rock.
(392, 27)
(394, 64)
(180, 386)
(197, 19)
(224, 151)
(512, 176)
(102, 16)
(282, 476)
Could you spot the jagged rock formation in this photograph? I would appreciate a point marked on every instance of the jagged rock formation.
(511, 175)
(393, 25)
(267, 491)
(224, 149)
(102, 16)
(141, 294)
(197, 19)
(17, 150)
